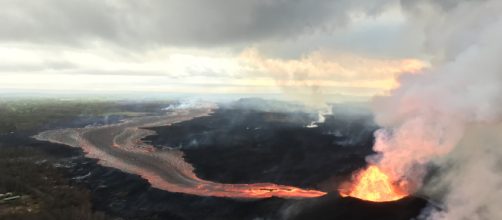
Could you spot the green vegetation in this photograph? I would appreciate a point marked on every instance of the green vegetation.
(29, 114)
(21, 115)
(30, 190)
(30, 186)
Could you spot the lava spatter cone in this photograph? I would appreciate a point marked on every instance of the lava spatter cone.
(373, 184)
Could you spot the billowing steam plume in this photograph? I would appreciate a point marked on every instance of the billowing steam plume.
(450, 114)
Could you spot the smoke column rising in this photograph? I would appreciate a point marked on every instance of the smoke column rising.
(448, 115)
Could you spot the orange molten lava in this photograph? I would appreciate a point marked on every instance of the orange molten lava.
(373, 184)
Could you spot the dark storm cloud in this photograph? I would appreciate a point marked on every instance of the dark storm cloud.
(170, 22)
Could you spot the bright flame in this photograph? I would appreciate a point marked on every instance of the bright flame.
(373, 184)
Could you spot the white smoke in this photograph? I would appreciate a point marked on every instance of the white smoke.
(321, 116)
(192, 103)
(473, 178)
(438, 116)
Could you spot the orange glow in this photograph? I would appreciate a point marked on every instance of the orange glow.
(373, 184)
(123, 148)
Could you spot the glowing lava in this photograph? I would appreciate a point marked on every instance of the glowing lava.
(121, 146)
(373, 184)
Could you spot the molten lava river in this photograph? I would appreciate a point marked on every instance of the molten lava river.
(120, 146)
(372, 184)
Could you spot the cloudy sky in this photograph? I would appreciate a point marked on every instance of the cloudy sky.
(341, 49)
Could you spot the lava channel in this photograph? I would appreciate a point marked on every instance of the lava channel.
(120, 146)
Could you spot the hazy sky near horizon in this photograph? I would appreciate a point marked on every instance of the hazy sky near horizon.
(337, 49)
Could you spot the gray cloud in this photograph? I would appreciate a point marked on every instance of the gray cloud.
(445, 5)
(34, 67)
(187, 23)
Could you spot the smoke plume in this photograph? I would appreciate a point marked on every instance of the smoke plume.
(319, 78)
(450, 114)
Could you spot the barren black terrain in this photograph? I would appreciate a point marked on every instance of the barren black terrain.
(240, 146)
(232, 145)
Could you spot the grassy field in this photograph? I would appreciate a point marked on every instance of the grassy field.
(31, 188)
(30, 114)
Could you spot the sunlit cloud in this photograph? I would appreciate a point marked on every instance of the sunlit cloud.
(38, 68)
(318, 74)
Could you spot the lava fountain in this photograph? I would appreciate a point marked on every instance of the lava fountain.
(372, 184)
